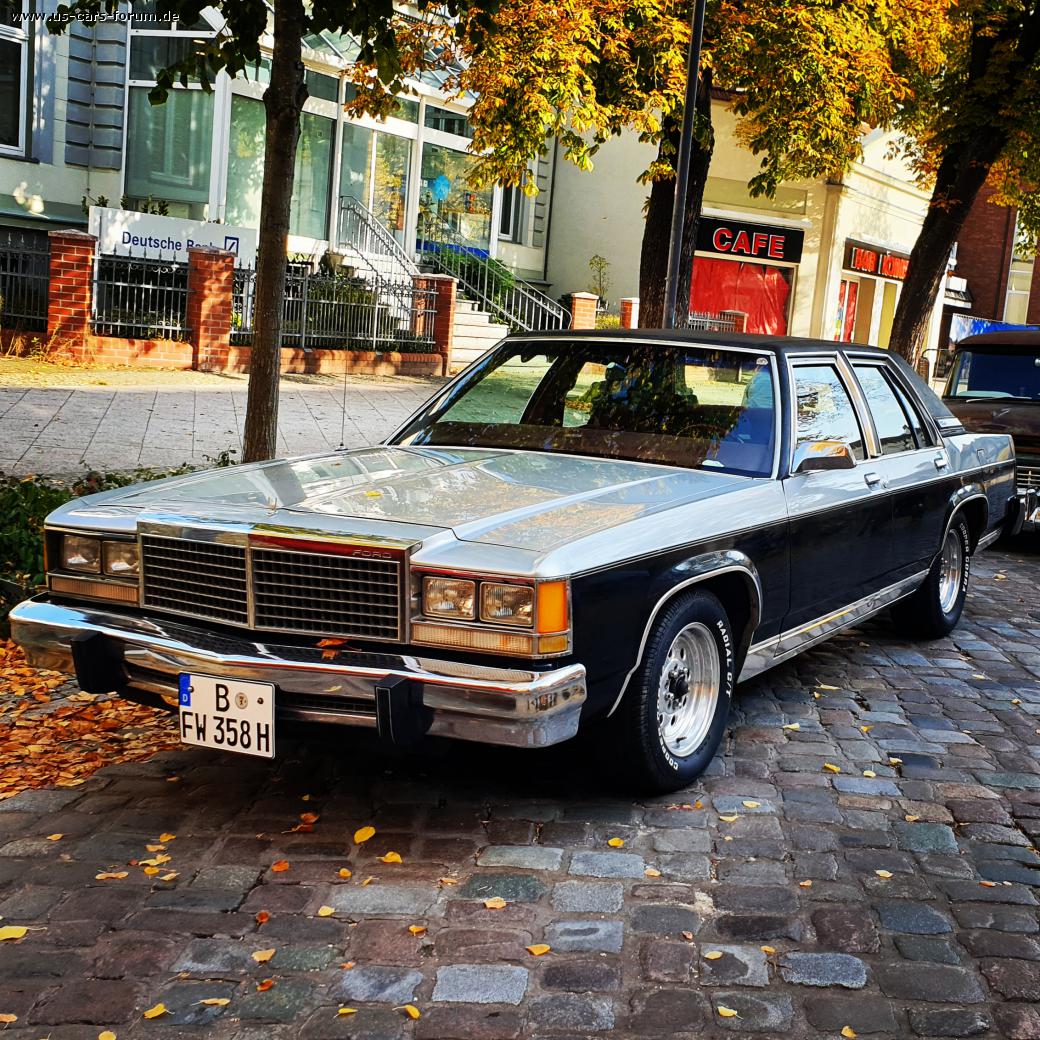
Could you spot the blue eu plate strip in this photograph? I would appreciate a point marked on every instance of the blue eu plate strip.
(185, 690)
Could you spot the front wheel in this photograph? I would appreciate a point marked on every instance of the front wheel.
(673, 715)
(935, 608)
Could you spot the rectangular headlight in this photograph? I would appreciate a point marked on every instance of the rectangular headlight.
(79, 553)
(507, 604)
(449, 598)
(120, 559)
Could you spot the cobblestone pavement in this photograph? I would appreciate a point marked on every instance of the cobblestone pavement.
(776, 897)
(59, 431)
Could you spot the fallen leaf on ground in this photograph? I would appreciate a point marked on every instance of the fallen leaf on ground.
(344, 873)
(726, 1012)
(264, 985)
(368, 881)
(805, 884)
(410, 1010)
(347, 965)
(826, 686)
(362, 834)
(848, 1032)
(391, 857)
(866, 729)
(895, 761)
(869, 774)
(793, 726)
(55, 837)
(262, 917)
(688, 936)
(988, 884)
(886, 874)
(111, 875)
(911, 818)
(280, 866)
(729, 818)
(346, 1011)
(750, 804)
(106, 1034)
(417, 929)
(831, 767)
(167, 837)
(495, 903)
(151, 871)
(216, 1001)
(326, 911)
(713, 955)
(263, 956)
(538, 949)
(12, 931)
(448, 881)
(6, 1019)
(652, 872)
(615, 843)
(170, 876)
(769, 950)
(156, 1011)
(156, 848)
(309, 817)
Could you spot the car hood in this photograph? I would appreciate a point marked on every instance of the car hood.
(1021, 419)
(522, 499)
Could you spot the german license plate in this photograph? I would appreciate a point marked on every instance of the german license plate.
(227, 714)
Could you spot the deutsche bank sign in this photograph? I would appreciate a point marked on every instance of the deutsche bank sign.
(126, 232)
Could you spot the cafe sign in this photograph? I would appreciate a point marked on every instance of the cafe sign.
(746, 241)
(884, 263)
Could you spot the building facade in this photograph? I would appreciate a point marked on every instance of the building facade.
(822, 258)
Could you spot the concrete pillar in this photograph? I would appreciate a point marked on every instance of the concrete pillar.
(71, 289)
(583, 310)
(629, 312)
(211, 278)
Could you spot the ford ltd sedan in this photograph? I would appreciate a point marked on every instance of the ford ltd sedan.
(603, 530)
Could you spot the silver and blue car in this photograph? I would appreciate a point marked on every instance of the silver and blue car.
(602, 530)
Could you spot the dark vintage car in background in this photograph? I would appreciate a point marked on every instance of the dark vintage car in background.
(994, 387)
(600, 530)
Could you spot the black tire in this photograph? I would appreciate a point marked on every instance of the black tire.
(637, 734)
(935, 608)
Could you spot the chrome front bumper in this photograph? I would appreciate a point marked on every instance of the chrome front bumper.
(491, 705)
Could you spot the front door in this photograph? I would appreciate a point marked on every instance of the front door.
(840, 520)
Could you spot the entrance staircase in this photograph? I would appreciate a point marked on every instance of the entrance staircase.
(492, 301)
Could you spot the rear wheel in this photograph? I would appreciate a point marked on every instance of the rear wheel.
(673, 716)
(935, 608)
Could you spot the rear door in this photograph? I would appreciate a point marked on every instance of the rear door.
(840, 520)
(912, 463)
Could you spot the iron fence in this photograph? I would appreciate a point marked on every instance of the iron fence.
(24, 281)
(140, 298)
(704, 322)
(336, 311)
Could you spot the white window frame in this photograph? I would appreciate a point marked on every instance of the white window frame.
(21, 38)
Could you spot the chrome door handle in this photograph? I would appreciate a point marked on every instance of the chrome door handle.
(872, 479)
(940, 462)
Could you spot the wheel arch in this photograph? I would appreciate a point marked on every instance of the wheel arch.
(732, 578)
(971, 503)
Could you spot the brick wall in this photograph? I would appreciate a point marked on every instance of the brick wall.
(984, 251)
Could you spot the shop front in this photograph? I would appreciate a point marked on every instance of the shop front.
(749, 268)
(870, 281)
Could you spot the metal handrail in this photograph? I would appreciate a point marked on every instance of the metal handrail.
(361, 231)
(486, 281)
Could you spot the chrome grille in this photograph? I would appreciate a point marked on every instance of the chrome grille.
(326, 594)
(1028, 477)
(199, 579)
(273, 589)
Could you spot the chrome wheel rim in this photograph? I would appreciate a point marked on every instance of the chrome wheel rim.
(951, 571)
(688, 690)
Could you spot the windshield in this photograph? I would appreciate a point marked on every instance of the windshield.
(682, 405)
(995, 375)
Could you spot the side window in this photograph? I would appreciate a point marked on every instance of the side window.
(892, 422)
(824, 410)
(924, 439)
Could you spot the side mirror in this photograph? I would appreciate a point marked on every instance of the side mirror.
(810, 456)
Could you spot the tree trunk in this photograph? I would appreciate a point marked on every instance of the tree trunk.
(283, 102)
(653, 256)
(961, 175)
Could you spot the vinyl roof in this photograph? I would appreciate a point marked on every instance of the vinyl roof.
(1026, 340)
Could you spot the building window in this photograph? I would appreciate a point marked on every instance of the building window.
(1016, 303)
(374, 170)
(510, 216)
(447, 197)
(14, 77)
(447, 122)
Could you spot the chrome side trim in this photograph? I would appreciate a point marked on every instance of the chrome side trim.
(987, 540)
(709, 565)
(773, 651)
(960, 498)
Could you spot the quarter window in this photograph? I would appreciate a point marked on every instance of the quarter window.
(825, 411)
(891, 421)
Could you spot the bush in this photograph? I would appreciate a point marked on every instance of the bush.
(608, 321)
(25, 503)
